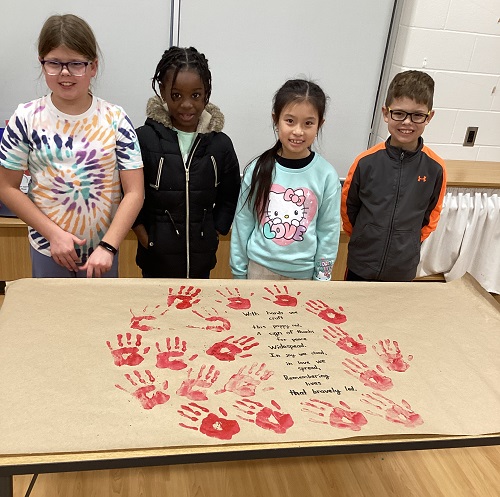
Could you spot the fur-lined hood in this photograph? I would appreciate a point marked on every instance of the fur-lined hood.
(212, 119)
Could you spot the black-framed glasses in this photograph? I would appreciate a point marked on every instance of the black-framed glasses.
(401, 115)
(55, 67)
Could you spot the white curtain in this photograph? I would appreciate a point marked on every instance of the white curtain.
(467, 238)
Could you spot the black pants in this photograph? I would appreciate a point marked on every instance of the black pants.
(145, 274)
(350, 276)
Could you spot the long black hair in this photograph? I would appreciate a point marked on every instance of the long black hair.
(293, 91)
(177, 59)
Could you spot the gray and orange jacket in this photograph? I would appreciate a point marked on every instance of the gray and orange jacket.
(391, 202)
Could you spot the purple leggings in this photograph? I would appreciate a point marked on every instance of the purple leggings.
(43, 266)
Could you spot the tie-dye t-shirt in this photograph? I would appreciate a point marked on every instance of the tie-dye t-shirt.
(74, 162)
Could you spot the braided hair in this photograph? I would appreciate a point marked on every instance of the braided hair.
(178, 59)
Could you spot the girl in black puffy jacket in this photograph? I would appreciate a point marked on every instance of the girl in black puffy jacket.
(191, 172)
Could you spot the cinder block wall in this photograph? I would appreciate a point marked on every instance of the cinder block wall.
(458, 43)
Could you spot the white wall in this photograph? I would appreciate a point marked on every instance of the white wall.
(458, 43)
(254, 47)
(132, 36)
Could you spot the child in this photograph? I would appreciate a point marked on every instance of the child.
(393, 193)
(287, 222)
(80, 152)
(192, 175)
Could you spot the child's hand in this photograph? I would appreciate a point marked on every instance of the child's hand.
(142, 235)
(98, 263)
(62, 249)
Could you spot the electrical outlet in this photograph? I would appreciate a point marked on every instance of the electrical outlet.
(470, 136)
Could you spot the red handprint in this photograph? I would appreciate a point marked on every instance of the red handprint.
(127, 353)
(172, 357)
(142, 394)
(227, 349)
(136, 322)
(344, 341)
(235, 300)
(369, 377)
(212, 425)
(325, 312)
(186, 297)
(196, 388)
(223, 324)
(269, 418)
(337, 417)
(399, 414)
(245, 384)
(281, 297)
(391, 355)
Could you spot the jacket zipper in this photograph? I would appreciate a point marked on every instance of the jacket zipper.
(173, 223)
(391, 226)
(156, 186)
(187, 165)
(215, 171)
(202, 233)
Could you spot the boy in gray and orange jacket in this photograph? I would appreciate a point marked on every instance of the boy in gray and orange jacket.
(393, 193)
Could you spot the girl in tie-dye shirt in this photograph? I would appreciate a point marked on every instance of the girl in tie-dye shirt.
(83, 156)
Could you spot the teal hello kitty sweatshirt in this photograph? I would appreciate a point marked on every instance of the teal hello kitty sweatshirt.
(299, 235)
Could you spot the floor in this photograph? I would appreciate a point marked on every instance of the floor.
(472, 472)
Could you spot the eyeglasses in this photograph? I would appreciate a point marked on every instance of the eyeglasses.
(401, 115)
(54, 67)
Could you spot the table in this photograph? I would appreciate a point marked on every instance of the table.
(39, 463)
(54, 463)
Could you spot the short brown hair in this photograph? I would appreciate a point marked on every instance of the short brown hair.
(70, 31)
(417, 85)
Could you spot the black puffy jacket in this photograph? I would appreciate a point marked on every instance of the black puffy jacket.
(186, 205)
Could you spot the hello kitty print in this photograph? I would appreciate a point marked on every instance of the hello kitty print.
(289, 213)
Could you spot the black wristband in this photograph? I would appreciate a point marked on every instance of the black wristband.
(108, 247)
